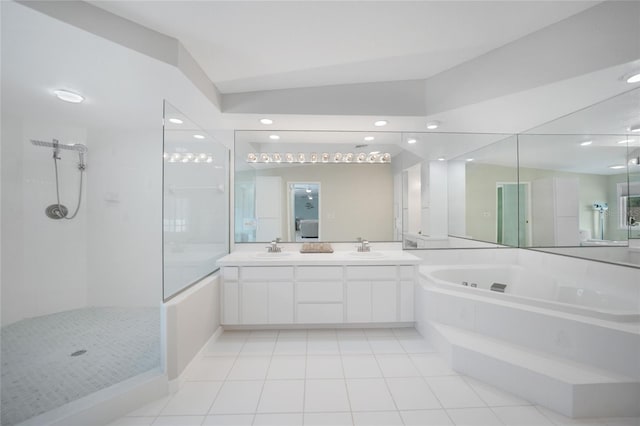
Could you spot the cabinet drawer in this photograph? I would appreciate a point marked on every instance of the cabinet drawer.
(319, 313)
(321, 291)
(266, 273)
(371, 272)
(230, 273)
(320, 272)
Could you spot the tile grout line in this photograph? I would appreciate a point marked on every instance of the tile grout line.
(226, 377)
(344, 378)
(375, 357)
(264, 381)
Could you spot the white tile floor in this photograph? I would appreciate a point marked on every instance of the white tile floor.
(334, 378)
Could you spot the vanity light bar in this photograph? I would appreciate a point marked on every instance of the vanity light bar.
(188, 157)
(324, 158)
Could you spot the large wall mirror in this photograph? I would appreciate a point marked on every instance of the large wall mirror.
(584, 169)
(459, 190)
(315, 186)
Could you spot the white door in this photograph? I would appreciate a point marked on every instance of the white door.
(383, 301)
(268, 208)
(280, 303)
(254, 303)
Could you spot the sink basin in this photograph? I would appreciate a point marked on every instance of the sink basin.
(366, 254)
(267, 255)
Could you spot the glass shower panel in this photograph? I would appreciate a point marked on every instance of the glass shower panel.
(196, 202)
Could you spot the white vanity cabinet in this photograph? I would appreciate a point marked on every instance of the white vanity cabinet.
(317, 294)
(258, 295)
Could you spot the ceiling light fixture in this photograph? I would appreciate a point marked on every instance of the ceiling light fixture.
(369, 138)
(411, 141)
(586, 143)
(469, 160)
(624, 141)
(175, 121)
(67, 96)
(635, 128)
(617, 167)
(274, 137)
(441, 158)
(632, 78)
(432, 125)
(380, 123)
(198, 136)
(266, 121)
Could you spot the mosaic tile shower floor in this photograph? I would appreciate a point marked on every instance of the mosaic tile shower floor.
(40, 374)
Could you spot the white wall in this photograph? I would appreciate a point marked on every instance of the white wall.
(111, 254)
(44, 260)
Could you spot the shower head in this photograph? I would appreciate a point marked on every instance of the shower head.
(55, 145)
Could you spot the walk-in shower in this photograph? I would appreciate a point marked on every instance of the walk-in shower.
(58, 210)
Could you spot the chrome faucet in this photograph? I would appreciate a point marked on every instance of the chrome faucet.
(273, 247)
(364, 245)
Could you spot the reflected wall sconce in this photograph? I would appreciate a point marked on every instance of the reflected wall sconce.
(188, 157)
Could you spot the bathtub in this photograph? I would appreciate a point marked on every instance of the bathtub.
(537, 289)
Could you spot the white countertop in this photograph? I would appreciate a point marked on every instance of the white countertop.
(294, 258)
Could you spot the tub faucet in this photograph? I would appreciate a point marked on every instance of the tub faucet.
(273, 247)
(364, 245)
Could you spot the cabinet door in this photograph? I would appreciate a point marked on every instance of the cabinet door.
(230, 303)
(406, 301)
(384, 297)
(254, 303)
(280, 303)
(358, 301)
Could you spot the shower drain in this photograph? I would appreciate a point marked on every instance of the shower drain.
(80, 352)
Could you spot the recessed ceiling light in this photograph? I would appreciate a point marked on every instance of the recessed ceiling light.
(175, 121)
(441, 159)
(266, 121)
(274, 137)
(632, 78)
(198, 136)
(432, 125)
(411, 141)
(369, 138)
(67, 96)
(617, 167)
(380, 123)
(586, 143)
(635, 128)
(469, 159)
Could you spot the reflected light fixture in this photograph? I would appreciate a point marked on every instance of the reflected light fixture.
(586, 143)
(441, 158)
(633, 77)
(432, 125)
(274, 137)
(411, 141)
(469, 160)
(175, 121)
(380, 123)
(369, 138)
(198, 136)
(635, 128)
(618, 166)
(324, 158)
(68, 96)
(266, 121)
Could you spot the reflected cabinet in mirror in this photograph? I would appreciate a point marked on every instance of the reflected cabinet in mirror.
(315, 186)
